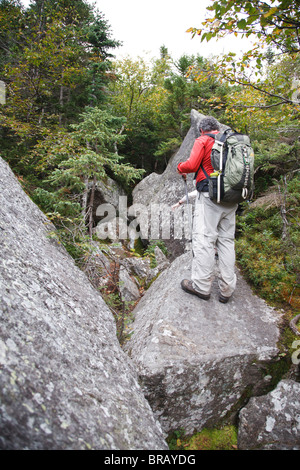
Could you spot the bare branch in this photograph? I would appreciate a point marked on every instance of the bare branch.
(262, 106)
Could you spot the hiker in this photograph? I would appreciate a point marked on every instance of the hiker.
(214, 224)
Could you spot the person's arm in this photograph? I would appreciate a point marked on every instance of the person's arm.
(193, 194)
(192, 164)
(181, 201)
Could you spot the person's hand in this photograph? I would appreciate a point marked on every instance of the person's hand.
(175, 206)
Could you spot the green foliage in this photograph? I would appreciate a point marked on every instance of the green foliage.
(186, 92)
(54, 64)
(157, 99)
(75, 241)
(278, 25)
(150, 250)
(270, 154)
(85, 154)
(262, 259)
(268, 244)
(53, 204)
(138, 94)
(276, 28)
(224, 438)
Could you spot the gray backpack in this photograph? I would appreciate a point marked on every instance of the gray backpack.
(232, 158)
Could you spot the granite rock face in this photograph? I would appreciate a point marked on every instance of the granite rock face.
(272, 422)
(199, 361)
(65, 383)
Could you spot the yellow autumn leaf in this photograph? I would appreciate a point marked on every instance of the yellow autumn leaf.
(270, 12)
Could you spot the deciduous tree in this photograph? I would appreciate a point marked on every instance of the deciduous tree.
(272, 25)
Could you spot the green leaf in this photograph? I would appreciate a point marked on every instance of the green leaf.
(242, 24)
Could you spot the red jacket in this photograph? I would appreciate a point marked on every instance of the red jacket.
(200, 154)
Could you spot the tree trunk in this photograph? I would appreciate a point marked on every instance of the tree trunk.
(91, 204)
(283, 210)
(119, 133)
(61, 100)
(85, 198)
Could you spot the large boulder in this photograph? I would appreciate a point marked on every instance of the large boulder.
(272, 422)
(199, 361)
(106, 192)
(65, 383)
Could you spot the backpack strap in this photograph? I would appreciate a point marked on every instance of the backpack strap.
(202, 186)
(213, 136)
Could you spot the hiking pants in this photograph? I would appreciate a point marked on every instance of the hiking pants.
(213, 226)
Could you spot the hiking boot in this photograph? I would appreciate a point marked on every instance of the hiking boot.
(223, 299)
(187, 286)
